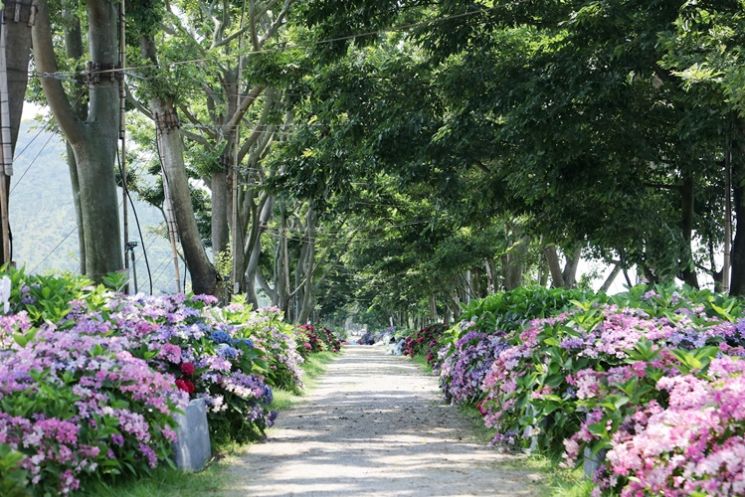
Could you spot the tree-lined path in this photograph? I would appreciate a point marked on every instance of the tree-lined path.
(375, 426)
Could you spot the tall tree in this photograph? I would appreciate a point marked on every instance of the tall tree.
(93, 139)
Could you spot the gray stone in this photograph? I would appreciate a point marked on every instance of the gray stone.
(192, 448)
(593, 461)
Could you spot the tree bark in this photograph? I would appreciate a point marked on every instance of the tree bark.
(737, 285)
(94, 140)
(687, 200)
(491, 284)
(307, 304)
(569, 275)
(611, 278)
(74, 49)
(554, 266)
(254, 249)
(220, 194)
(513, 265)
(72, 166)
(204, 277)
(433, 307)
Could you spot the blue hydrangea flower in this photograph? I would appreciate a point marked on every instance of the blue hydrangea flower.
(227, 352)
(220, 336)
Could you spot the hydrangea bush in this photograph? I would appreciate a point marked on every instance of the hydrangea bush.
(471, 346)
(425, 342)
(652, 378)
(90, 380)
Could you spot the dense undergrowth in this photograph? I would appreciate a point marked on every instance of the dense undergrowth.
(649, 383)
(90, 380)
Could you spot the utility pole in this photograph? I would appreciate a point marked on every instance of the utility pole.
(123, 138)
(130, 247)
(235, 273)
(6, 152)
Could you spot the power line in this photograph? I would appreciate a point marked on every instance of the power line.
(19, 154)
(68, 235)
(283, 48)
(38, 154)
(139, 228)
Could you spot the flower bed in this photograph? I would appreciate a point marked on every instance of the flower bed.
(471, 346)
(90, 380)
(651, 377)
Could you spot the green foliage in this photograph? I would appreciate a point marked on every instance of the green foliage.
(508, 311)
(13, 479)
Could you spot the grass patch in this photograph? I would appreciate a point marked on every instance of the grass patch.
(557, 481)
(169, 482)
(421, 360)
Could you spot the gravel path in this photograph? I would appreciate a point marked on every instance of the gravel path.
(374, 426)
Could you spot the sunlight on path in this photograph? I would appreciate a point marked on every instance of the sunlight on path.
(374, 426)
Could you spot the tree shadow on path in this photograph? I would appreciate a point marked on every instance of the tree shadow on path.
(375, 425)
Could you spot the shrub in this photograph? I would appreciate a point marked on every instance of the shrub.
(13, 479)
(425, 342)
(91, 385)
(693, 447)
(472, 345)
(652, 377)
(329, 338)
(74, 404)
(310, 340)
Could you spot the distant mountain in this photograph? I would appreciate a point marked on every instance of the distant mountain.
(42, 215)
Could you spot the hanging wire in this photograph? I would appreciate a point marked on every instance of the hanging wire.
(38, 154)
(139, 228)
(284, 48)
(25, 147)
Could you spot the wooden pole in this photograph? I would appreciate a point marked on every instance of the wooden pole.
(727, 212)
(235, 276)
(5, 145)
(172, 228)
(123, 133)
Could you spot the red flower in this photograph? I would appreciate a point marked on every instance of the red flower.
(188, 368)
(186, 385)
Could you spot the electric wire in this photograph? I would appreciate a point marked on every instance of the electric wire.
(139, 228)
(38, 154)
(283, 48)
(25, 147)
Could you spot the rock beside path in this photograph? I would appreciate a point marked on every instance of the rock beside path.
(376, 425)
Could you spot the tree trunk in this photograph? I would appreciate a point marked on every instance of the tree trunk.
(309, 267)
(491, 284)
(737, 285)
(79, 103)
(220, 194)
(93, 141)
(72, 166)
(687, 199)
(513, 265)
(254, 249)
(204, 278)
(611, 278)
(554, 266)
(569, 275)
(18, 38)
